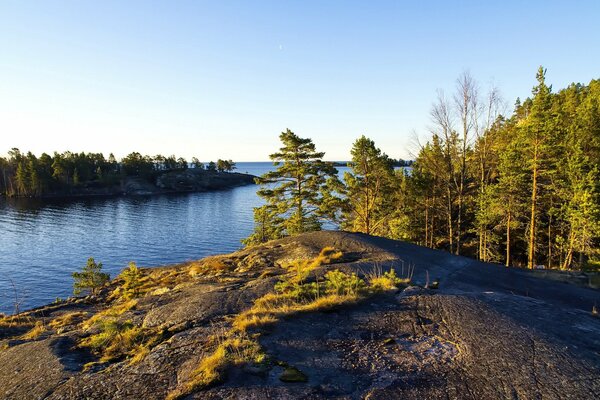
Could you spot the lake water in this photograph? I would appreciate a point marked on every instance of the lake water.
(43, 241)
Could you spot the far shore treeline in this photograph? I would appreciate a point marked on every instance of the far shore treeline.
(519, 189)
(31, 176)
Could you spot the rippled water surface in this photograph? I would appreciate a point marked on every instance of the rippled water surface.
(42, 242)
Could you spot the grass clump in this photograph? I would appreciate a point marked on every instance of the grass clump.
(114, 311)
(233, 349)
(35, 332)
(386, 281)
(211, 265)
(67, 319)
(118, 339)
(16, 321)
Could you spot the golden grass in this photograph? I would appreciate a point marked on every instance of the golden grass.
(252, 321)
(383, 281)
(35, 332)
(209, 265)
(233, 350)
(238, 347)
(114, 311)
(116, 339)
(67, 319)
(13, 321)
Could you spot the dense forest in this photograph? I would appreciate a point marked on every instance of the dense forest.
(31, 176)
(519, 189)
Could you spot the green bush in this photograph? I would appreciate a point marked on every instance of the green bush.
(340, 283)
(90, 278)
(132, 281)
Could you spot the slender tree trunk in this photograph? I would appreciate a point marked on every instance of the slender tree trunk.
(531, 255)
(550, 243)
(450, 230)
(426, 222)
(508, 221)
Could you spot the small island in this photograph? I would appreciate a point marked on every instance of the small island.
(71, 174)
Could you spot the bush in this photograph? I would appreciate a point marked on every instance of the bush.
(387, 281)
(339, 283)
(131, 281)
(90, 278)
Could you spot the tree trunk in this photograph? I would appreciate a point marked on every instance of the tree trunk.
(531, 255)
(508, 221)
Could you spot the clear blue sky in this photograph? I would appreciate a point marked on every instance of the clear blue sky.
(221, 79)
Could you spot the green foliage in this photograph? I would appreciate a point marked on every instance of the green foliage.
(342, 284)
(27, 175)
(369, 189)
(268, 225)
(300, 193)
(91, 278)
(520, 189)
(132, 281)
(225, 165)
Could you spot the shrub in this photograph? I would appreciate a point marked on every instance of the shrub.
(339, 283)
(35, 332)
(132, 281)
(90, 278)
(116, 339)
(387, 281)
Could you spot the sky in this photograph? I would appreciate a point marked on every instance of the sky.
(222, 79)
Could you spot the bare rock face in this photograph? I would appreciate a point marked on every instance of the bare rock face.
(487, 332)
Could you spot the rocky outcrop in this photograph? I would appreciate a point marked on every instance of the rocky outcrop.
(487, 332)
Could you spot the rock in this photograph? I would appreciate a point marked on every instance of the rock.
(489, 332)
(291, 374)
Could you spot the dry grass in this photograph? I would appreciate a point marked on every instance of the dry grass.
(67, 319)
(210, 265)
(35, 332)
(384, 281)
(237, 346)
(234, 349)
(16, 321)
(252, 321)
(117, 339)
(114, 311)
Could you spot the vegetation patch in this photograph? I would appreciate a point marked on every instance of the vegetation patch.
(292, 296)
(35, 332)
(68, 319)
(116, 339)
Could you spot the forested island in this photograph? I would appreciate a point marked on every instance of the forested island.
(91, 174)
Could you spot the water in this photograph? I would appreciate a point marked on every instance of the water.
(43, 241)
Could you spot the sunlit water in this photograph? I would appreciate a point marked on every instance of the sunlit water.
(43, 241)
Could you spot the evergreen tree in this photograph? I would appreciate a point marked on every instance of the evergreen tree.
(300, 192)
(369, 189)
(91, 278)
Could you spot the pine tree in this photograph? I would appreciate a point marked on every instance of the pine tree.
(537, 141)
(268, 225)
(90, 278)
(300, 193)
(369, 189)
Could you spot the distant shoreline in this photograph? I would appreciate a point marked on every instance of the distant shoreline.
(173, 182)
